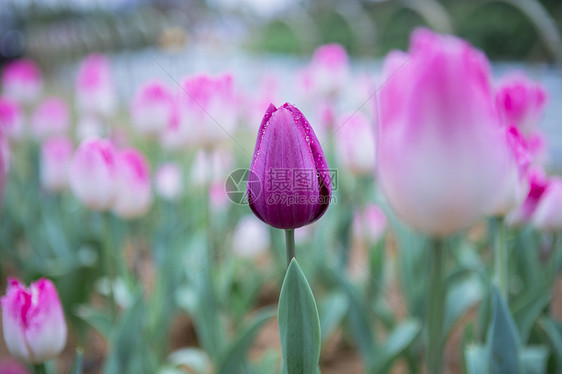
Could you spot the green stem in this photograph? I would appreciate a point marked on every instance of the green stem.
(109, 265)
(39, 368)
(435, 310)
(290, 245)
(500, 254)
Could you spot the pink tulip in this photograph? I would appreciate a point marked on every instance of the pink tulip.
(538, 147)
(11, 366)
(329, 69)
(369, 224)
(169, 181)
(93, 172)
(537, 185)
(134, 191)
(208, 108)
(521, 101)
(514, 187)
(356, 144)
(56, 156)
(251, 237)
(442, 152)
(33, 321)
(95, 91)
(22, 81)
(11, 118)
(51, 117)
(548, 212)
(152, 108)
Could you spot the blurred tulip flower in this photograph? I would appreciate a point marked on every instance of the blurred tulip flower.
(251, 238)
(95, 91)
(548, 212)
(521, 101)
(169, 181)
(33, 321)
(56, 156)
(11, 366)
(289, 184)
(152, 108)
(11, 118)
(208, 108)
(51, 117)
(369, 224)
(356, 144)
(92, 173)
(133, 185)
(537, 182)
(22, 81)
(442, 152)
(328, 71)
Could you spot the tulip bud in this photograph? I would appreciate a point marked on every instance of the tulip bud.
(356, 144)
(369, 224)
(92, 173)
(51, 117)
(22, 81)
(133, 186)
(442, 152)
(95, 91)
(548, 213)
(289, 185)
(521, 101)
(33, 321)
(251, 238)
(152, 108)
(56, 156)
(208, 108)
(11, 118)
(169, 181)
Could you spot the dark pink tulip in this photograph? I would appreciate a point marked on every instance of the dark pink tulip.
(11, 118)
(33, 321)
(548, 213)
(537, 186)
(289, 184)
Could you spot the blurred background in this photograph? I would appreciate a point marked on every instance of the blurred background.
(275, 36)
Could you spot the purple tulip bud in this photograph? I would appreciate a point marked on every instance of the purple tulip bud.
(289, 185)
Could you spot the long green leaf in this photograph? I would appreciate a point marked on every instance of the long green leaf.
(398, 341)
(504, 344)
(299, 325)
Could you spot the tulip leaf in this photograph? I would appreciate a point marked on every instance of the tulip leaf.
(299, 325)
(234, 359)
(398, 341)
(503, 344)
(529, 307)
(534, 360)
(460, 297)
(476, 359)
(78, 362)
(553, 335)
(99, 320)
(332, 310)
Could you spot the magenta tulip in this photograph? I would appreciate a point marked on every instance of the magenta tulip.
(22, 81)
(33, 321)
(152, 108)
(92, 174)
(56, 156)
(51, 117)
(442, 152)
(11, 118)
(537, 182)
(289, 184)
(133, 185)
(521, 101)
(95, 91)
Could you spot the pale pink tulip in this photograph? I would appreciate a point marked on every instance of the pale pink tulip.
(169, 181)
(93, 174)
(521, 101)
(251, 237)
(548, 212)
(95, 91)
(11, 118)
(442, 152)
(152, 108)
(356, 144)
(33, 321)
(12, 366)
(133, 185)
(22, 81)
(369, 224)
(208, 108)
(51, 117)
(328, 71)
(56, 156)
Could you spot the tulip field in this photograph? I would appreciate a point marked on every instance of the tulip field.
(337, 215)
